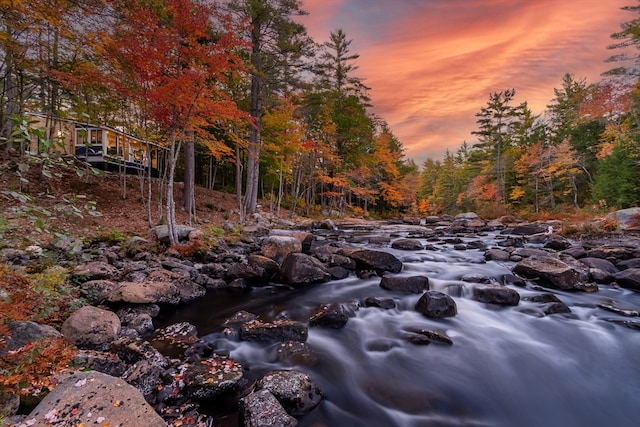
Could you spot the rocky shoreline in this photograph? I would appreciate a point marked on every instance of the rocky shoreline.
(132, 371)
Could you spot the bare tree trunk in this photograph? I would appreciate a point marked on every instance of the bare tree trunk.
(239, 184)
(188, 194)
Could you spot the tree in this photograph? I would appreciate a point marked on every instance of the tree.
(564, 111)
(497, 122)
(168, 60)
(275, 39)
(626, 39)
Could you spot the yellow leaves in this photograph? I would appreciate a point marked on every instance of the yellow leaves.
(517, 193)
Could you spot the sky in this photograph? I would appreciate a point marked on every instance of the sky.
(432, 64)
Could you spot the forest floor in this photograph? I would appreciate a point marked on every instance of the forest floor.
(120, 205)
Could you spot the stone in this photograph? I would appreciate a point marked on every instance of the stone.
(97, 291)
(295, 353)
(627, 219)
(408, 284)
(426, 336)
(548, 272)
(188, 290)
(407, 245)
(94, 398)
(299, 269)
(211, 377)
(9, 405)
(495, 294)
(436, 305)
(498, 255)
(295, 390)
(278, 247)
(101, 361)
(265, 268)
(262, 409)
(95, 270)
(381, 262)
(174, 340)
(380, 302)
(278, 331)
(629, 278)
(91, 328)
(332, 315)
(132, 350)
(145, 376)
(528, 229)
(161, 233)
(145, 293)
(24, 332)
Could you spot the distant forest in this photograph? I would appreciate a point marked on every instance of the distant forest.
(245, 101)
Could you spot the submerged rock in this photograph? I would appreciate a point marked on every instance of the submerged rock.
(495, 294)
(410, 284)
(279, 330)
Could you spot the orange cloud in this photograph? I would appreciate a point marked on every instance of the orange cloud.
(432, 64)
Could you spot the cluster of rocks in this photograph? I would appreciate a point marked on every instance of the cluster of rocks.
(174, 370)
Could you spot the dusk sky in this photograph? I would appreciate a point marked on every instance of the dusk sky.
(431, 64)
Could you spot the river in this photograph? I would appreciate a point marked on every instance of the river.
(507, 366)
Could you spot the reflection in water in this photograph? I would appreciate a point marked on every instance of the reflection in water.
(506, 367)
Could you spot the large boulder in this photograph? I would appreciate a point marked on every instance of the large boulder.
(278, 247)
(262, 409)
(381, 262)
(94, 398)
(91, 328)
(161, 232)
(299, 269)
(295, 390)
(627, 219)
(629, 278)
(436, 305)
(549, 272)
(145, 293)
(409, 284)
(211, 377)
(188, 290)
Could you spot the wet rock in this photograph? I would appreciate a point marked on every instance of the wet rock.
(495, 294)
(94, 398)
(630, 263)
(378, 261)
(332, 315)
(279, 331)
(91, 328)
(101, 361)
(24, 332)
(95, 270)
(555, 308)
(296, 353)
(576, 252)
(549, 272)
(380, 302)
(422, 336)
(300, 269)
(132, 350)
(529, 252)
(409, 284)
(407, 245)
(615, 308)
(175, 339)
(262, 409)
(498, 255)
(436, 305)
(239, 318)
(527, 229)
(477, 278)
(542, 298)
(614, 254)
(629, 278)
(557, 243)
(211, 377)
(338, 273)
(278, 247)
(295, 390)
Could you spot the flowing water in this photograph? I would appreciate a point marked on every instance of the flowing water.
(506, 367)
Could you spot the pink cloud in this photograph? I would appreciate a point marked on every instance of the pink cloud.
(432, 64)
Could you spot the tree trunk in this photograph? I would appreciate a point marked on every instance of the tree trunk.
(239, 184)
(188, 194)
(255, 111)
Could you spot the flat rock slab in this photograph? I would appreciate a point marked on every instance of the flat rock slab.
(94, 398)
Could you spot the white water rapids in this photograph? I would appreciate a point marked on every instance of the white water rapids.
(506, 367)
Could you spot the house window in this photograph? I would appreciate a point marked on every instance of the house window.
(90, 138)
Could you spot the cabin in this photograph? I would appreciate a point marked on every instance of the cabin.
(103, 147)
